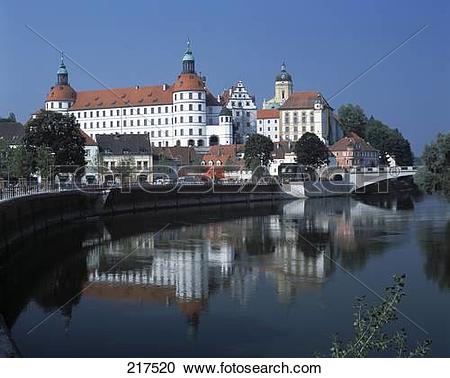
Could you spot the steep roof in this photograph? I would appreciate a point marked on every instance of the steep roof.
(11, 132)
(303, 100)
(61, 93)
(121, 97)
(124, 144)
(267, 113)
(352, 141)
(182, 155)
(88, 141)
(188, 81)
(223, 152)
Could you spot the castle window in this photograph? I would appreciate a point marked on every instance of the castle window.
(139, 122)
(167, 133)
(79, 114)
(159, 109)
(200, 107)
(166, 121)
(199, 95)
(175, 96)
(131, 123)
(117, 112)
(145, 122)
(152, 110)
(91, 114)
(145, 110)
(104, 124)
(124, 123)
(159, 133)
(190, 119)
(152, 134)
(124, 111)
(111, 113)
(200, 131)
(167, 109)
(200, 119)
(84, 115)
(118, 123)
(159, 121)
(181, 108)
(111, 124)
(152, 122)
(191, 132)
(181, 96)
(238, 114)
(104, 113)
(138, 111)
(248, 114)
(181, 119)
(181, 132)
(60, 105)
(282, 94)
(247, 103)
(190, 95)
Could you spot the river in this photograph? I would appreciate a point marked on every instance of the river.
(275, 280)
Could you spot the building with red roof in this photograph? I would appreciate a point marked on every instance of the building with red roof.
(184, 113)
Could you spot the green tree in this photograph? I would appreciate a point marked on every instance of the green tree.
(258, 151)
(353, 119)
(19, 162)
(61, 135)
(435, 176)
(370, 323)
(311, 151)
(389, 141)
(45, 161)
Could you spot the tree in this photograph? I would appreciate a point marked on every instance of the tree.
(258, 151)
(45, 160)
(389, 142)
(369, 328)
(435, 177)
(311, 151)
(61, 135)
(19, 162)
(353, 119)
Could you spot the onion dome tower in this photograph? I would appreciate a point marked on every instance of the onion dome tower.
(188, 60)
(283, 85)
(189, 103)
(61, 96)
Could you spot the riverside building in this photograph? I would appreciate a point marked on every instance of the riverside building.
(184, 113)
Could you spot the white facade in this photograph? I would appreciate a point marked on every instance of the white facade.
(184, 113)
(243, 108)
(268, 124)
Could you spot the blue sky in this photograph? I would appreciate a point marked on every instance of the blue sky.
(325, 44)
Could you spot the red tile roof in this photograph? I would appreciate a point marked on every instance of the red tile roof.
(303, 100)
(267, 113)
(88, 141)
(351, 142)
(223, 153)
(186, 82)
(120, 97)
(61, 93)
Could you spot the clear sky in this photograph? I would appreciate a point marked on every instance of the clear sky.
(326, 44)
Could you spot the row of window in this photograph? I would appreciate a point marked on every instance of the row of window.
(372, 154)
(153, 110)
(159, 121)
(239, 104)
(191, 95)
(287, 118)
(175, 132)
(139, 164)
(268, 129)
(52, 105)
(238, 114)
(268, 121)
(295, 129)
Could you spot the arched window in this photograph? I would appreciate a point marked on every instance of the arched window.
(178, 143)
(191, 142)
(218, 162)
(213, 140)
(200, 143)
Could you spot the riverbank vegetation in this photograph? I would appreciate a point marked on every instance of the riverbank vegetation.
(389, 141)
(434, 176)
(370, 326)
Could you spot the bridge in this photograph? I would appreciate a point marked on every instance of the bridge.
(355, 180)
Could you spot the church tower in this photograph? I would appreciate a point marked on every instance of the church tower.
(62, 74)
(283, 85)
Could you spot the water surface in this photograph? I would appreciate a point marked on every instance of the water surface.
(264, 280)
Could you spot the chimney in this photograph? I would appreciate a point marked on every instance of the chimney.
(164, 87)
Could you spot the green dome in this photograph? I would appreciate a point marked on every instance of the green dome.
(283, 75)
(188, 56)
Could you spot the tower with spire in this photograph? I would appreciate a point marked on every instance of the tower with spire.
(283, 89)
(61, 96)
(62, 74)
(188, 60)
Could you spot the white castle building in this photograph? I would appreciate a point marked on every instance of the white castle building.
(243, 108)
(184, 113)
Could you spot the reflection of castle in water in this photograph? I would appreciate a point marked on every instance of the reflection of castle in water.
(186, 265)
